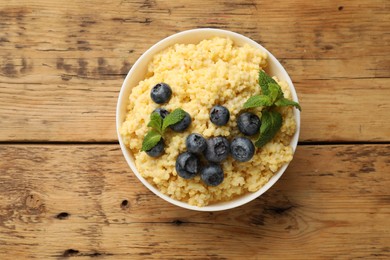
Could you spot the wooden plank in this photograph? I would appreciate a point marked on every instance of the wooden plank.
(333, 110)
(62, 63)
(344, 110)
(60, 201)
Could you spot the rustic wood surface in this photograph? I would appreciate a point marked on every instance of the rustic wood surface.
(85, 202)
(66, 191)
(62, 63)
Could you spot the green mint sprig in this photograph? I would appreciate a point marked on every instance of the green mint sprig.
(271, 122)
(150, 140)
(155, 123)
(272, 96)
(176, 116)
(159, 126)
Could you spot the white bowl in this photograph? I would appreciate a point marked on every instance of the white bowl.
(137, 73)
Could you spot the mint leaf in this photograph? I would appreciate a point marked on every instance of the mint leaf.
(275, 92)
(176, 116)
(156, 122)
(270, 125)
(150, 140)
(258, 101)
(264, 80)
(283, 102)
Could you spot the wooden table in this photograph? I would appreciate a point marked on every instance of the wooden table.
(66, 190)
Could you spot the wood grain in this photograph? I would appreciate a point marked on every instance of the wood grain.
(62, 62)
(59, 201)
(61, 67)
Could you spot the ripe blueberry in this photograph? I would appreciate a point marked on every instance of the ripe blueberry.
(195, 143)
(161, 111)
(212, 174)
(161, 93)
(219, 115)
(248, 123)
(217, 149)
(157, 150)
(183, 124)
(187, 165)
(242, 149)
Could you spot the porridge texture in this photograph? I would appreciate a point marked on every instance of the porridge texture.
(214, 71)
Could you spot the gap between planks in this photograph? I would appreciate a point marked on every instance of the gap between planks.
(303, 143)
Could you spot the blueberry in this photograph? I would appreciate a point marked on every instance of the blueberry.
(212, 174)
(248, 123)
(157, 150)
(242, 149)
(182, 125)
(161, 111)
(219, 115)
(217, 149)
(161, 93)
(196, 143)
(187, 165)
